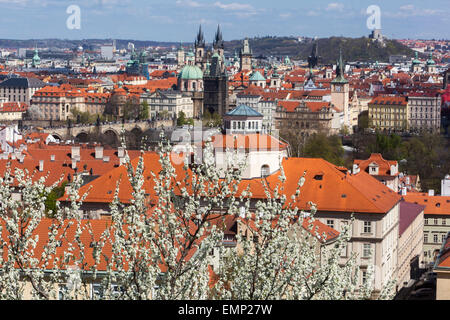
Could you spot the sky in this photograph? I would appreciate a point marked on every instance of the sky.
(178, 20)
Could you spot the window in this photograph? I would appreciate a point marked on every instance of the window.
(330, 223)
(366, 250)
(435, 238)
(443, 238)
(425, 238)
(265, 170)
(426, 221)
(344, 251)
(367, 226)
(435, 221)
(364, 277)
(444, 221)
(97, 291)
(62, 292)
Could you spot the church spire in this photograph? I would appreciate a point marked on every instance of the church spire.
(340, 70)
(218, 41)
(200, 40)
(313, 59)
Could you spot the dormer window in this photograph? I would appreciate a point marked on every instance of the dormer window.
(265, 171)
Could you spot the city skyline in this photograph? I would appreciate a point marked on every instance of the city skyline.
(178, 20)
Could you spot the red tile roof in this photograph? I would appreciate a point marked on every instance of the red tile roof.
(384, 166)
(443, 259)
(389, 100)
(13, 107)
(434, 205)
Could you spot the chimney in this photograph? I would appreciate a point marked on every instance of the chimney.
(404, 191)
(21, 157)
(41, 165)
(121, 152)
(76, 152)
(105, 159)
(431, 192)
(52, 157)
(355, 169)
(407, 181)
(99, 152)
(74, 164)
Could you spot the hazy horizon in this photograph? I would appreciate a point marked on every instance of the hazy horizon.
(179, 20)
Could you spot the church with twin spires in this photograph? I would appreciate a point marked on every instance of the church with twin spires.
(204, 75)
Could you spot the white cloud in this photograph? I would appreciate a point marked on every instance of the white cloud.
(312, 13)
(189, 3)
(235, 6)
(335, 6)
(407, 7)
(410, 10)
(285, 15)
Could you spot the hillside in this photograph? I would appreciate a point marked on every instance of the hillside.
(353, 49)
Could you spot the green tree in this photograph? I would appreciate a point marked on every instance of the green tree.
(52, 197)
(144, 114)
(328, 148)
(181, 119)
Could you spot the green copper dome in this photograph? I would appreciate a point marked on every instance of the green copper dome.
(191, 73)
(256, 76)
(416, 60)
(430, 60)
(36, 58)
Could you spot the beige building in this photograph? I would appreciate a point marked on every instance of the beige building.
(307, 117)
(388, 113)
(12, 111)
(17, 89)
(57, 103)
(442, 269)
(410, 242)
(437, 221)
(424, 110)
(170, 102)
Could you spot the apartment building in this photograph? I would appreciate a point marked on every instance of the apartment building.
(442, 269)
(12, 111)
(169, 102)
(410, 242)
(18, 89)
(308, 117)
(57, 103)
(388, 113)
(436, 224)
(424, 110)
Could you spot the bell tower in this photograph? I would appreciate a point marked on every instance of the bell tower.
(200, 54)
(340, 91)
(246, 56)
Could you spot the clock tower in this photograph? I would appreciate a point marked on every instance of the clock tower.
(340, 92)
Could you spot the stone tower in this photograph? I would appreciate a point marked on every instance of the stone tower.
(200, 53)
(218, 44)
(245, 56)
(340, 91)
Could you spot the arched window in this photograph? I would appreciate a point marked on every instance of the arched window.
(194, 86)
(265, 170)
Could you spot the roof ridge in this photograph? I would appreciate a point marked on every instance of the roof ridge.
(354, 187)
